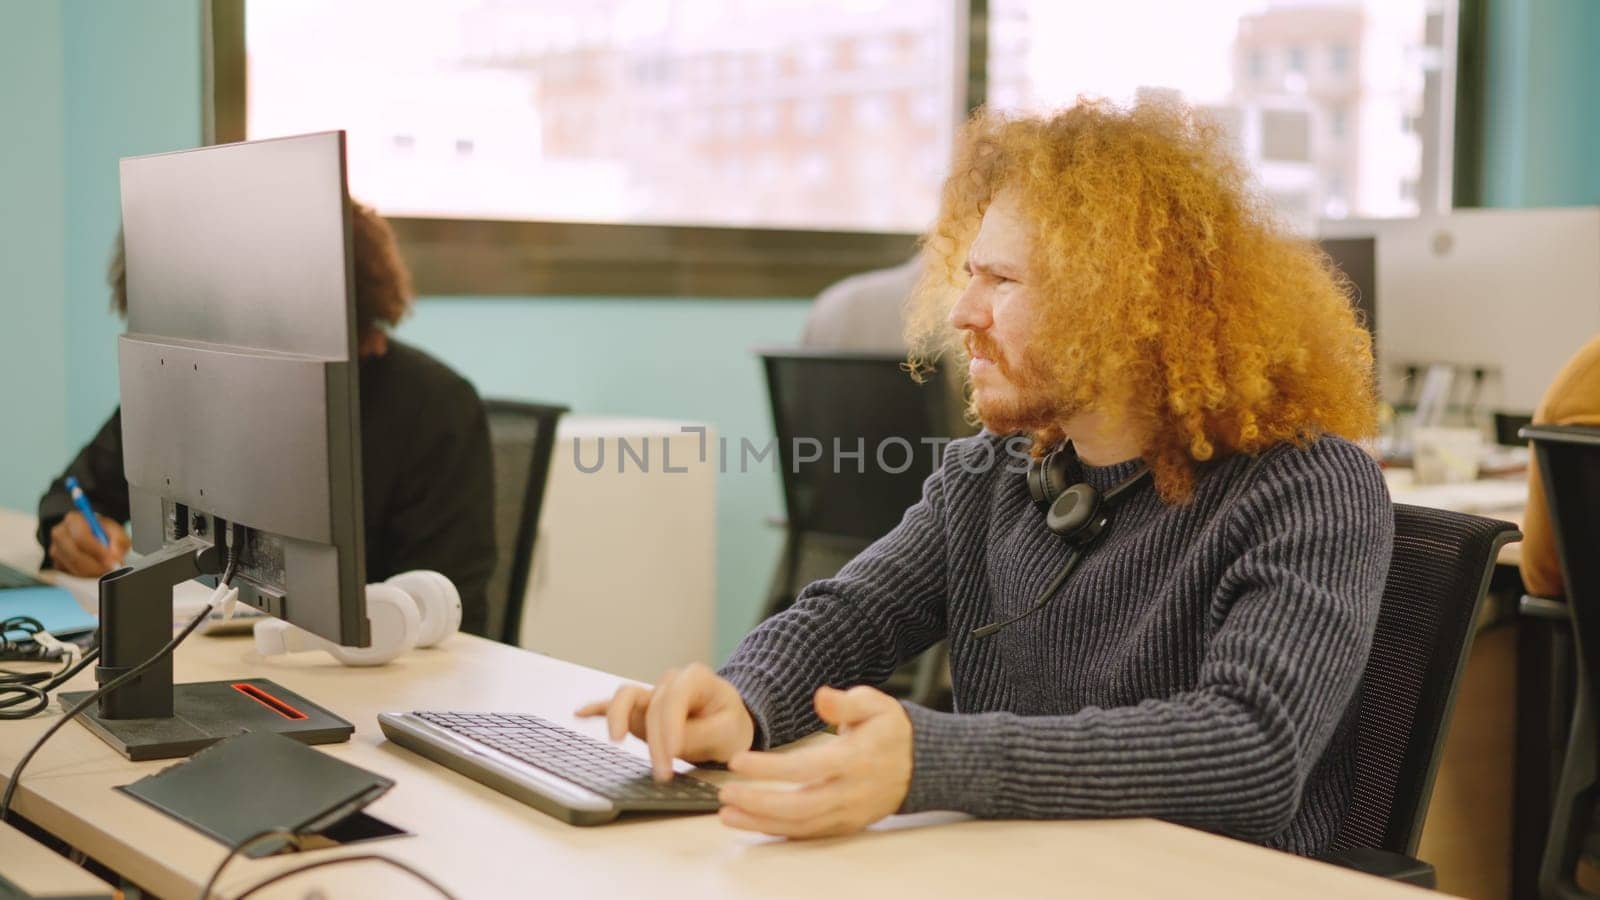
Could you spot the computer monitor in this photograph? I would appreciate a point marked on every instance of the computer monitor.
(240, 425)
(1514, 292)
(1356, 257)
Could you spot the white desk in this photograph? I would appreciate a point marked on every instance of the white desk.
(482, 844)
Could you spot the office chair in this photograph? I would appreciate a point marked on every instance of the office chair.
(523, 436)
(1438, 576)
(851, 401)
(1508, 428)
(1569, 464)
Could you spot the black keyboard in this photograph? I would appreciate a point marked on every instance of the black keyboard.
(604, 771)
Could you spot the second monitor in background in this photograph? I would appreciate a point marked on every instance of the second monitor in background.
(1357, 258)
(1515, 292)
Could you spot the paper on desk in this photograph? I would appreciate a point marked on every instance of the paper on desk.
(187, 598)
(84, 590)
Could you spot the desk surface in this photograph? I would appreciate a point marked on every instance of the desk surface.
(481, 844)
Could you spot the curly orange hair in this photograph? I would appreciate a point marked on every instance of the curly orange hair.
(1176, 303)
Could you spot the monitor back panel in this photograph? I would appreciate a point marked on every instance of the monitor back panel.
(238, 373)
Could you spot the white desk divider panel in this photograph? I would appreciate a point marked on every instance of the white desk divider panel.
(624, 570)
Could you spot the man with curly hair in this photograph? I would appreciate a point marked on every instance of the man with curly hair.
(1127, 305)
(427, 473)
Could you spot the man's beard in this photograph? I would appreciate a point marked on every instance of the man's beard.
(1027, 404)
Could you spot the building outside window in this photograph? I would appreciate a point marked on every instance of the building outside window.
(826, 115)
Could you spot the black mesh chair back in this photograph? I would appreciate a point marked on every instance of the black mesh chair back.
(823, 400)
(1508, 428)
(855, 436)
(1438, 576)
(1569, 465)
(523, 436)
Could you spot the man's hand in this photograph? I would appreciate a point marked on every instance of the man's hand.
(842, 786)
(691, 714)
(76, 551)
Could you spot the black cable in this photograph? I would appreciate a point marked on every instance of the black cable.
(21, 690)
(321, 863)
(1044, 597)
(1076, 556)
(28, 625)
(235, 538)
(19, 641)
(119, 681)
(241, 847)
(12, 676)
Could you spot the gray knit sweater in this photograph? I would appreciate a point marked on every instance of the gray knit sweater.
(1200, 666)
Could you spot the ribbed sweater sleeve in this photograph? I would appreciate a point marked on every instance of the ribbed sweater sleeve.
(1291, 624)
(884, 607)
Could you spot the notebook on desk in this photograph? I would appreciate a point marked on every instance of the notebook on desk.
(258, 780)
(56, 608)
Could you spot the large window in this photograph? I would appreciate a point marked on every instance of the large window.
(1319, 97)
(826, 114)
(766, 147)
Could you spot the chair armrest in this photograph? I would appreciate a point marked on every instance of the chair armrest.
(1384, 864)
(1547, 608)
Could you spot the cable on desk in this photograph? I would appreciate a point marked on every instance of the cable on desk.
(27, 626)
(113, 684)
(17, 688)
(322, 863)
(241, 847)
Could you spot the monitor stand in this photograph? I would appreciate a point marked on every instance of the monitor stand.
(150, 717)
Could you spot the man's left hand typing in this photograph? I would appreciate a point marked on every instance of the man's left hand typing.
(839, 786)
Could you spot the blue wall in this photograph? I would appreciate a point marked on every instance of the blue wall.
(32, 248)
(84, 83)
(1541, 103)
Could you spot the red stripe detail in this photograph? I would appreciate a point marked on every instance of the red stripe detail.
(270, 702)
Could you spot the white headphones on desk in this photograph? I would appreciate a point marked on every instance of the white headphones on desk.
(419, 608)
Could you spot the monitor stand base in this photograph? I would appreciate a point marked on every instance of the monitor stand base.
(208, 711)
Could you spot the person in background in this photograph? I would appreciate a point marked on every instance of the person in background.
(1129, 307)
(865, 312)
(1572, 399)
(426, 466)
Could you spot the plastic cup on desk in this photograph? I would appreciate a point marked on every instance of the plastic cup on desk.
(1446, 455)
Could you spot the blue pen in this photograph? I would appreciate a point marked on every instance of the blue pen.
(82, 503)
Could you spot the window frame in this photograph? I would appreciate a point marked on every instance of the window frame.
(510, 258)
(452, 257)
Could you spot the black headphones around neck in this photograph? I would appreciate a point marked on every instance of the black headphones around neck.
(1074, 510)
